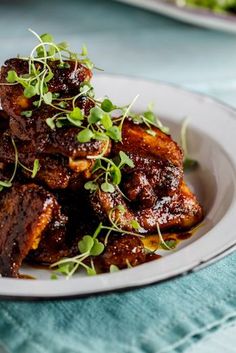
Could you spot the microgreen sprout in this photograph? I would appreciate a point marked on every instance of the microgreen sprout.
(90, 246)
(189, 163)
(34, 170)
(35, 82)
(8, 183)
(168, 244)
(109, 171)
(114, 268)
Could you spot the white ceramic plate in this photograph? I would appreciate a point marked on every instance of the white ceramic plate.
(213, 143)
(200, 17)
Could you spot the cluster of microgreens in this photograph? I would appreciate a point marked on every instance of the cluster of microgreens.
(103, 122)
(89, 247)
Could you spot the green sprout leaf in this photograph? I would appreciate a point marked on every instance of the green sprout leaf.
(107, 187)
(76, 117)
(125, 160)
(106, 121)
(65, 268)
(63, 45)
(91, 185)
(51, 123)
(49, 77)
(168, 244)
(63, 65)
(47, 37)
(27, 113)
(30, 91)
(97, 165)
(47, 97)
(135, 224)
(114, 268)
(116, 175)
(190, 164)
(62, 104)
(36, 168)
(107, 106)
(85, 245)
(85, 135)
(114, 133)
(149, 115)
(84, 51)
(95, 115)
(54, 276)
(77, 114)
(121, 208)
(11, 76)
(100, 136)
(87, 62)
(97, 248)
(91, 271)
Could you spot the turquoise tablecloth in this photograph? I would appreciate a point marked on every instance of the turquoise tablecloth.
(172, 316)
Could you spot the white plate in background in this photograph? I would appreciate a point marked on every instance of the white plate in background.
(212, 142)
(195, 16)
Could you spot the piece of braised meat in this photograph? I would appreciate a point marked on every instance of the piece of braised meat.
(158, 164)
(122, 251)
(54, 245)
(56, 170)
(179, 211)
(66, 80)
(26, 212)
(35, 129)
(154, 186)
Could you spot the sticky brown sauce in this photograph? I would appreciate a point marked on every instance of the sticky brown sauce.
(153, 242)
(35, 266)
(24, 276)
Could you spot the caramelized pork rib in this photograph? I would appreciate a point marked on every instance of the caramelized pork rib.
(53, 243)
(26, 211)
(56, 244)
(65, 80)
(136, 140)
(158, 164)
(64, 142)
(179, 211)
(35, 128)
(122, 251)
(56, 171)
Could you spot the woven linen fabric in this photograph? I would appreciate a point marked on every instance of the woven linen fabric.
(168, 317)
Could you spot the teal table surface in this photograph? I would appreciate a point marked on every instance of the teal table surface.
(130, 41)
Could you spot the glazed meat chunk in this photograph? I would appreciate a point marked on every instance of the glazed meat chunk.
(26, 211)
(34, 128)
(65, 80)
(57, 171)
(179, 211)
(158, 164)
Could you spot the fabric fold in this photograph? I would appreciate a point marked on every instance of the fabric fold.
(161, 318)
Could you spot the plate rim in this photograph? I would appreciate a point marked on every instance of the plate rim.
(191, 268)
(202, 17)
